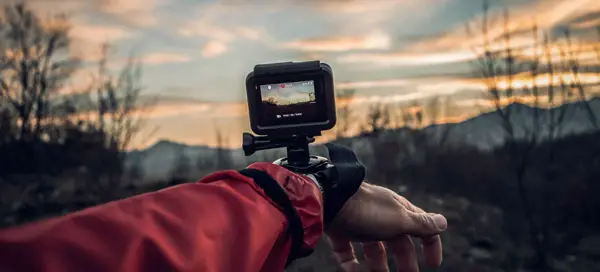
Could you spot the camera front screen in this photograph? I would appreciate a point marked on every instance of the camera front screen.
(289, 103)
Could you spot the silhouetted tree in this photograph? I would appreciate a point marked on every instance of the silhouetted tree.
(47, 130)
(34, 63)
(436, 111)
(378, 119)
(344, 124)
(499, 64)
(223, 158)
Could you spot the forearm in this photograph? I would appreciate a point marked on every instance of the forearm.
(222, 223)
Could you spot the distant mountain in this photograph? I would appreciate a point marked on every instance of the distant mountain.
(484, 131)
(158, 160)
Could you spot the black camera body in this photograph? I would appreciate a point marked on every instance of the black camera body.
(289, 104)
(291, 98)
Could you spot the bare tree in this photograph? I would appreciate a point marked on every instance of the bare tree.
(496, 67)
(548, 111)
(378, 119)
(436, 110)
(575, 70)
(118, 102)
(344, 114)
(8, 126)
(222, 153)
(34, 64)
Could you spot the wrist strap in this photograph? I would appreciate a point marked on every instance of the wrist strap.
(276, 193)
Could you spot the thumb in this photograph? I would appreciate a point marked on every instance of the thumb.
(424, 224)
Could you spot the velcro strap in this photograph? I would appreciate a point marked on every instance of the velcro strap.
(278, 195)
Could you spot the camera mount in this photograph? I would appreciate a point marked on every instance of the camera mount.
(298, 157)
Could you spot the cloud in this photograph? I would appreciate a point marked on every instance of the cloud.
(407, 58)
(127, 6)
(330, 7)
(542, 101)
(375, 41)
(164, 57)
(373, 84)
(54, 6)
(413, 57)
(87, 39)
(525, 80)
(546, 14)
(175, 109)
(213, 49)
(158, 111)
(206, 30)
(425, 88)
(345, 16)
(582, 52)
(430, 84)
(220, 37)
(250, 33)
(422, 93)
(99, 33)
(352, 6)
(359, 16)
(135, 12)
(457, 45)
(184, 108)
(168, 106)
(132, 12)
(595, 22)
(195, 109)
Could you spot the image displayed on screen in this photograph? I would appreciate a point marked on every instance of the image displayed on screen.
(288, 103)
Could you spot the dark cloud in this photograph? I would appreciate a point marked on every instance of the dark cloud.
(591, 19)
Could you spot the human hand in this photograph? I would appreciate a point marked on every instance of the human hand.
(374, 215)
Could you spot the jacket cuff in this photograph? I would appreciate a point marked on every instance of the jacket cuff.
(305, 196)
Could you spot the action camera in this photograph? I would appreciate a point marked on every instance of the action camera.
(291, 98)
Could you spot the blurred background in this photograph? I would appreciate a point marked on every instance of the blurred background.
(484, 111)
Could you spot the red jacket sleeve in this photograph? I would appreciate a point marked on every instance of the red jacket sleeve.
(224, 222)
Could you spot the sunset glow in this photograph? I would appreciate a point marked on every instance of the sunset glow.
(195, 55)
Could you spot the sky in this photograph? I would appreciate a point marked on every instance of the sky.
(196, 53)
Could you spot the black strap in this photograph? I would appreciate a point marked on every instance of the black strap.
(274, 191)
(343, 182)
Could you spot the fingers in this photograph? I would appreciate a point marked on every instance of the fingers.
(422, 224)
(404, 253)
(344, 253)
(432, 250)
(427, 226)
(375, 256)
(419, 223)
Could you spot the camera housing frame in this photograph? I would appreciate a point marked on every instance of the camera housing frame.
(276, 73)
